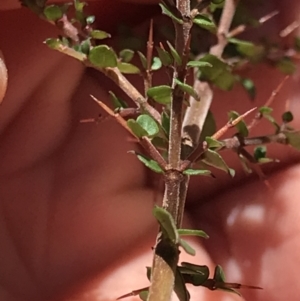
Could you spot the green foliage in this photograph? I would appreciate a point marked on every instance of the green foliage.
(214, 144)
(218, 73)
(117, 102)
(53, 12)
(187, 89)
(142, 59)
(148, 124)
(164, 56)
(99, 34)
(206, 22)
(266, 112)
(175, 55)
(156, 64)
(128, 68)
(161, 94)
(287, 117)
(186, 247)
(103, 56)
(174, 14)
(241, 125)
(192, 232)
(151, 164)
(198, 64)
(197, 172)
(249, 86)
(126, 55)
(53, 43)
(180, 288)
(167, 223)
(214, 159)
(286, 65)
(293, 138)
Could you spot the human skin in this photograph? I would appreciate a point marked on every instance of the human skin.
(75, 210)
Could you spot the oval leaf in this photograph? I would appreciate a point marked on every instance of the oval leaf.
(148, 124)
(99, 34)
(161, 94)
(102, 56)
(53, 12)
(128, 68)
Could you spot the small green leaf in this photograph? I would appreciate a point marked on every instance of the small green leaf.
(170, 14)
(187, 248)
(126, 55)
(293, 138)
(219, 274)
(175, 54)
(204, 21)
(156, 64)
(286, 65)
(249, 86)
(194, 274)
(198, 64)
(148, 124)
(287, 117)
(164, 56)
(128, 68)
(180, 288)
(265, 110)
(53, 12)
(219, 74)
(260, 152)
(187, 89)
(117, 102)
(167, 223)
(85, 46)
(90, 20)
(99, 34)
(241, 126)
(214, 159)
(102, 56)
(136, 128)
(213, 143)
(248, 49)
(79, 5)
(197, 172)
(192, 232)
(53, 43)
(153, 165)
(142, 59)
(161, 94)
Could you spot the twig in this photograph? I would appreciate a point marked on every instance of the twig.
(270, 100)
(231, 124)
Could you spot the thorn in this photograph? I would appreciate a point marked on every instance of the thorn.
(289, 29)
(268, 16)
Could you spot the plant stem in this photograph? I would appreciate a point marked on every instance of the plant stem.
(166, 252)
